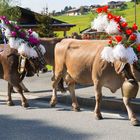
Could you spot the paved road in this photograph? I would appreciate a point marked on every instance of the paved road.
(40, 122)
(60, 123)
(42, 86)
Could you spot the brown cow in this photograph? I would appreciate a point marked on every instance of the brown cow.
(80, 62)
(49, 44)
(9, 72)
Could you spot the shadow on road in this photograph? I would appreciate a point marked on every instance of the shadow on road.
(24, 129)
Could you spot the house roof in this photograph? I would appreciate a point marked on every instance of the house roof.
(28, 19)
(116, 2)
(73, 10)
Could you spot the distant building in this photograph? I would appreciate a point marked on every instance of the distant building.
(116, 4)
(77, 11)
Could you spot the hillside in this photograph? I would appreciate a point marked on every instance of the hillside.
(84, 21)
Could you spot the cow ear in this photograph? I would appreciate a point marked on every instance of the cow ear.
(119, 66)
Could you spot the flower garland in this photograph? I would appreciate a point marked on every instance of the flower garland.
(124, 41)
(22, 40)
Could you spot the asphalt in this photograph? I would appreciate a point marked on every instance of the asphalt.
(40, 89)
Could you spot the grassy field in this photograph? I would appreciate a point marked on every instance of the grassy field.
(84, 21)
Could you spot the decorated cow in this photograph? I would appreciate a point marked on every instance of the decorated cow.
(31, 52)
(110, 63)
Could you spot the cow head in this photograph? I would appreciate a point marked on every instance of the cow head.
(32, 66)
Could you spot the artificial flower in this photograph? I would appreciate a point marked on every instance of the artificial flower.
(99, 10)
(133, 37)
(124, 24)
(105, 9)
(138, 48)
(110, 42)
(13, 33)
(110, 16)
(118, 38)
(135, 27)
(117, 18)
(129, 31)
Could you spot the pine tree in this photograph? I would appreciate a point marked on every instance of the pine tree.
(44, 26)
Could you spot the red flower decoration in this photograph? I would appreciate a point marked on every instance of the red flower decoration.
(133, 37)
(118, 38)
(135, 27)
(138, 48)
(13, 33)
(99, 10)
(110, 16)
(105, 9)
(124, 24)
(117, 18)
(110, 42)
(129, 31)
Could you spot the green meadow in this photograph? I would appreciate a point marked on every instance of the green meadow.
(84, 21)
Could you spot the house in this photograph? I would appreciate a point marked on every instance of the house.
(77, 11)
(89, 33)
(28, 21)
(116, 4)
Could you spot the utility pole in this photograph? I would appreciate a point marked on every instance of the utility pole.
(135, 12)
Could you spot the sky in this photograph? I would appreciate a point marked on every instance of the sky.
(57, 5)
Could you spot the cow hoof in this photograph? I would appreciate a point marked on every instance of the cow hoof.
(98, 117)
(25, 105)
(53, 104)
(10, 103)
(135, 123)
(76, 109)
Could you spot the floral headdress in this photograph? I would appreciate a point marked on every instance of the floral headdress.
(123, 39)
(20, 39)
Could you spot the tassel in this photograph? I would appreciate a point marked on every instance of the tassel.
(124, 54)
(107, 54)
(112, 28)
(42, 48)
(100, 23)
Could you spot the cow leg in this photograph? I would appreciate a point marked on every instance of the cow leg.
(55, 82)
(23, 87)
(75, 105)
(71, 87)
(98, 98)
(61, 86)
(131, 114)
(9, 100)
(24, 102)
(60, 83)
(53, 101)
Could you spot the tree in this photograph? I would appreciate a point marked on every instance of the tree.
(137, 1)
(70, 7)
(11, 12)
(44, 25)
(53, 13)
(82, 10)
(66, 8)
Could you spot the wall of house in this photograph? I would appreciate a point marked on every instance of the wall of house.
(73, 14)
